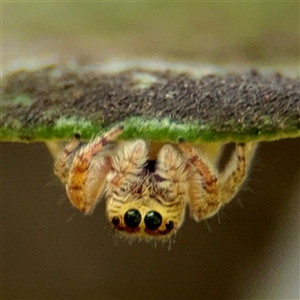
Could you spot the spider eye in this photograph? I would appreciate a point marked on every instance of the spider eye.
(153, 220)
(115, 220)
(169, 225)
(132, 218)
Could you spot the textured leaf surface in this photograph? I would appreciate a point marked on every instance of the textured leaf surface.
(154, 100)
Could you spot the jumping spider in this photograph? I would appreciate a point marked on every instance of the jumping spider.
(146, 198)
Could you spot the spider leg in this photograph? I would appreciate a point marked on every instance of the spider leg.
(63, 162)
(204, 187)
(125, 181)
(209, 190)
(173, 170)
(127, 166)
(236, 170)
(87, 176)
(171, 184)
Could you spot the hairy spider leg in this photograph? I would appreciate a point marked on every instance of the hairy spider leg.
(173, 170)
(127, 166)
(87, 176)
(63, 162)
(204, 187)
(209, 190)
(172, 184)
(236, 170)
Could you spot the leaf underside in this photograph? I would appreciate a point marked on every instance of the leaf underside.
(154, 101)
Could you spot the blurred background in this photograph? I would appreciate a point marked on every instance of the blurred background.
(248, 33)
(49, 251)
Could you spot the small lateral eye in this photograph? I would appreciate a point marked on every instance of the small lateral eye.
(169, 225)
(115, 220)
(153, 220)
(132, 218)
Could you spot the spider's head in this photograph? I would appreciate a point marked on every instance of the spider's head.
(149, 220)
(148, 201)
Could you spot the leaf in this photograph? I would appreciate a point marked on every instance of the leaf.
(154, 100)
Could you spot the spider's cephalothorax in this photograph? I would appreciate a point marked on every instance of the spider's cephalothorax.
(146, 196)
(143, 199)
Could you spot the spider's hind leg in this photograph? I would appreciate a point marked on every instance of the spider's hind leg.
(235, 172)
(204, 187)
(208, 189)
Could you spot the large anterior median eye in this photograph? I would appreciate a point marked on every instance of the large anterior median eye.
(153, 220)
(132, 218)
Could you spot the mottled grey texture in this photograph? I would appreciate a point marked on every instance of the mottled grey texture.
(225, 102)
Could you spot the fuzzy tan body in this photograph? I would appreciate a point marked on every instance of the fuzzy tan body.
(147, 186)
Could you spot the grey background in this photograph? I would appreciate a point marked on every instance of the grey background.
(49, 251)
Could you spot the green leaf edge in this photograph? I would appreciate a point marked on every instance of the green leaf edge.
(155, 130)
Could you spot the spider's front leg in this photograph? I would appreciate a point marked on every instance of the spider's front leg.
(173, 171)
(209, 190)
(87, 172)
(126, 169)
(172, 186)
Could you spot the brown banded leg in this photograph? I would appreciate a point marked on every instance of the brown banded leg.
(236, 170)
(63, 162)
(87, 176)
(204, 190)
